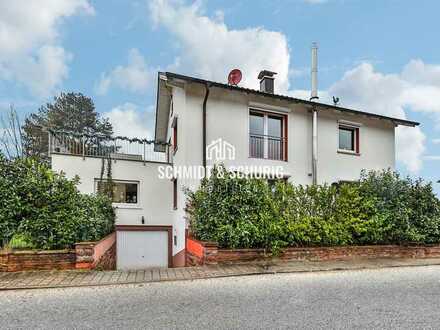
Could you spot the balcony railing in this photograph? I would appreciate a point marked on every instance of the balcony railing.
(267, 147)
(107, 147)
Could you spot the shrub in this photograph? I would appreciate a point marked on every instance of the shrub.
(381, 208)
(47, 208)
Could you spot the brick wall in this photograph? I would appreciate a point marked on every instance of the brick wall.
(91, 254)
(107, 260)
(200, 253)
(87, 255)
(13, 261)
(203, 253)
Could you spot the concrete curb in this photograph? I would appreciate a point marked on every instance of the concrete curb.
(262, 271)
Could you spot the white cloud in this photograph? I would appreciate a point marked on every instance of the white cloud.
(30, 50)
(128, 120)
(436, 141)
(135, 77)
(387, 94)
(210, 49)
(217, 49)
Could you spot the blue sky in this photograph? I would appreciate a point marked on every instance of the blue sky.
(378, 56)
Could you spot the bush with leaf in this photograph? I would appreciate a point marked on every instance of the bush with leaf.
(47, 208)
(381, 208)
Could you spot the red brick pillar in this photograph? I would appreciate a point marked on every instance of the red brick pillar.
(84, 255)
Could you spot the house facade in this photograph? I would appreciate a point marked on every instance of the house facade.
(200, 123)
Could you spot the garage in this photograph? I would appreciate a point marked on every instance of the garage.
(142, 247)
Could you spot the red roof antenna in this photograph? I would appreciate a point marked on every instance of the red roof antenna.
(234, 77)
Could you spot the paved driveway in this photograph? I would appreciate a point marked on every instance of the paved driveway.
(387, 298)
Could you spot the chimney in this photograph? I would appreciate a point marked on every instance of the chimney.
(314, 93)
(267, 81)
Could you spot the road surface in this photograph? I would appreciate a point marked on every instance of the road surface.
(387, 298)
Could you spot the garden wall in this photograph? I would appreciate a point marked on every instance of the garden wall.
(87, 255)
(102, 254)
(208, 253)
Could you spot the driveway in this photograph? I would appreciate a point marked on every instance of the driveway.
(383, 298)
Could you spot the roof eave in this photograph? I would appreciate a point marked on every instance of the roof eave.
(396, 121)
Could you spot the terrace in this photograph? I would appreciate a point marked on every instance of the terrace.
(114, 147)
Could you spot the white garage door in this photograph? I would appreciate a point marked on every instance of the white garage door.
(141, 249)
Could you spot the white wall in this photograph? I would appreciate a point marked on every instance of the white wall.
(155, 200)
(228, 118)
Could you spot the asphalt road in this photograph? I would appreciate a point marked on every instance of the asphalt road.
(388, 298)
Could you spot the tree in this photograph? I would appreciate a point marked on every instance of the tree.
(11, 142)
(73, 112)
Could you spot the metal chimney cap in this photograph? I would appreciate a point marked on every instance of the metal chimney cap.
(266, 73)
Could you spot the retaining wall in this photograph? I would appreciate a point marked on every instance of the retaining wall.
(208, 253)
(86, 255)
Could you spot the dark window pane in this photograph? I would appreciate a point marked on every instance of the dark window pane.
(256, 139)
(275, 126)
(256, 124)
(274, 139)
(122, 192)
(346, 138)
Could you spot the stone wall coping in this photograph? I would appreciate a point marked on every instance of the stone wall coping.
(378, 246)
(35, 252)
(93, 243)
(204, 243)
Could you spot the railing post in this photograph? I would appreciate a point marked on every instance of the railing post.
(144, 153)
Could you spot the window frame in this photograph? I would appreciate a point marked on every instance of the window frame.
(124, 205)
(284, 132)
(355, 138)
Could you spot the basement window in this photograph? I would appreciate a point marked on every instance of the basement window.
(348, 139)
(123, 192)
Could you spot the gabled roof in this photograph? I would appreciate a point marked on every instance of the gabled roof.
(318, 105)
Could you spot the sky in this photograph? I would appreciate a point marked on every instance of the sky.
(378, 56)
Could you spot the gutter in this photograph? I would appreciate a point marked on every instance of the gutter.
(307, 103)
(205, 100)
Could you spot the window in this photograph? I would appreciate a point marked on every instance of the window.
(349, 138)
(267, 135)
(174, 126)
(175, 193)
(122, 192)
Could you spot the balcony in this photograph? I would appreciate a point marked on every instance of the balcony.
(100, 146)
(267, 147)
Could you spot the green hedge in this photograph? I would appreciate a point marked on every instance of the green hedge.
(43, 209)
(382, 208)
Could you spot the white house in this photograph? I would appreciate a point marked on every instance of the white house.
(205, 122)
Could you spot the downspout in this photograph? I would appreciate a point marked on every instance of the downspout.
(314, 96)
(315, 146)
(205, 100)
